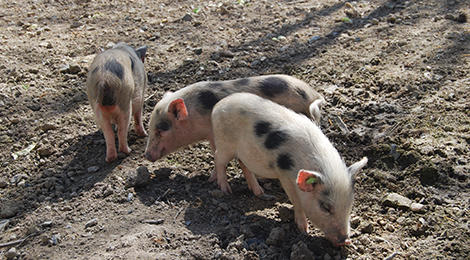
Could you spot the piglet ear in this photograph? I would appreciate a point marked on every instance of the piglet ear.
(307, 180)
(141, 52)
(355, 168)
(178, 109)
(315, 110)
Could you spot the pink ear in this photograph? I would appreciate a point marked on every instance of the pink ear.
(306, 180)
(178, 109)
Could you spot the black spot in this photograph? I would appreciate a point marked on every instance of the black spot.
(302, 93)
(273, 86)
(115, 67)
(242, 82)
(262, 128)
(106, 95)
(285, 162)
(208, 99)
(163, 125)
(216, 85)
(275, 139)
(132, 63)
(219, 86)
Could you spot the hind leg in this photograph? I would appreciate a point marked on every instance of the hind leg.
(251, 180)
(222, 158)
(123, 126)
(139, 126)
(111, 153)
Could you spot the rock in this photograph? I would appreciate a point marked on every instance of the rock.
(3, 224)
(93, 169)
(217, 194)
(187, 18)
(12, 253)
(367, 229)
(74, 68)
(416, 207)
(138, 178)
(449, 17)
(276, 237)
(75, 25)
(18, 177)
(46, 151)
(91, 223)
(223, 206)
(46, 127)
(397, 200)
(8, 210)
(162, 173)
(109, 45)
(300, 251)
(375, 21)
(314, 38)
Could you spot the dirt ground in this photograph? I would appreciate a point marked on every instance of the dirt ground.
(395, 75)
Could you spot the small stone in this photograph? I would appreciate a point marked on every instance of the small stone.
(367, 228)
(390, 227)
(64, 69)
(91, 223)
(449, 17)
(276, 237)
(75, 25)
(74, 68)
(300, 251)
(355, 220)
(3, 224)
(197, 51)
(416, 207)
(396, 200)
(8, 210)
(110, 45)
(314, 39)
(3, 183)
(217, 194)
(223, 206)
(12, 253)
(267, 197)
(93, 169)
(375, 21)
(138, 178)
(130, 197)
(47, 224)
(187, 18)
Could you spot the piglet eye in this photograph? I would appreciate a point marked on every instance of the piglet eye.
(325, 207)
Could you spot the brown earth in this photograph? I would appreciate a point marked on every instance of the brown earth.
(395, 74)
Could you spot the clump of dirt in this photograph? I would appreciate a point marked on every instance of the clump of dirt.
(395, 75)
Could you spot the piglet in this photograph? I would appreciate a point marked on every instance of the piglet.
(115, 87)
(184, 117)
(274, 142)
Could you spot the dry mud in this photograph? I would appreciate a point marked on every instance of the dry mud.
(395, 75)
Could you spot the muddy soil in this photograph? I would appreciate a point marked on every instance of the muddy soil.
(395, 75)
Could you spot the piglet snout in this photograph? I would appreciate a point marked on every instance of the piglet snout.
(149, 157)
(342, 241)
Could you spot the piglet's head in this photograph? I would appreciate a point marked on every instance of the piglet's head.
(166, 128)
(327, 200)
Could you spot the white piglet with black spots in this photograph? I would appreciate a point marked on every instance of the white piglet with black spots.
(272, 141)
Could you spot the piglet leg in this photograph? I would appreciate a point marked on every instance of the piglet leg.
(251, 180)
(221, 161)
(299, 213)
(111, 153)
(139, 126)
(123, 126)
